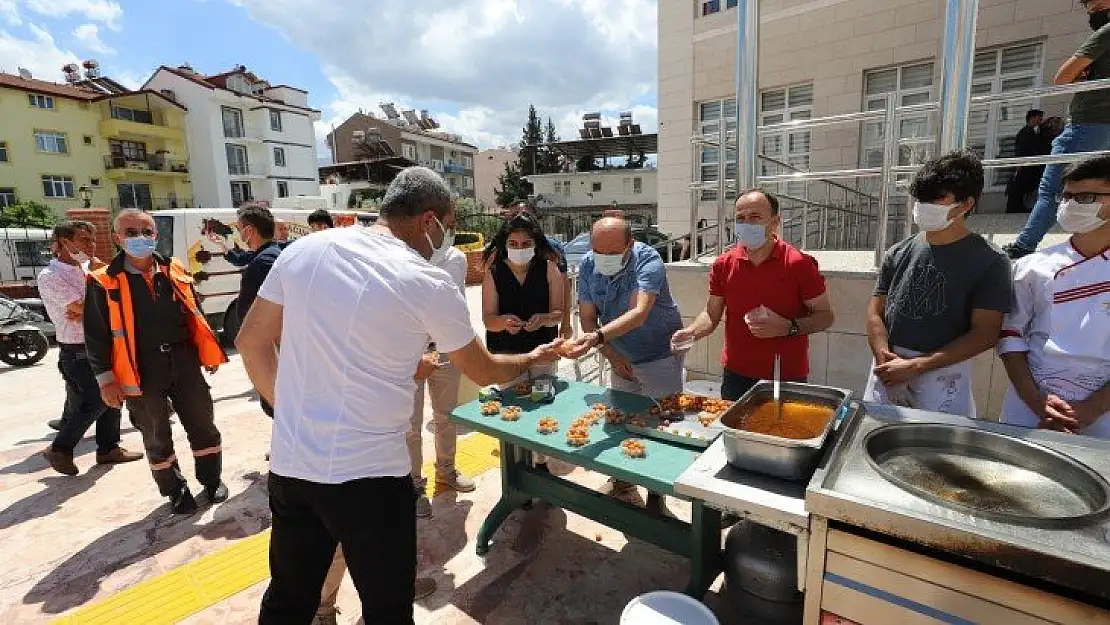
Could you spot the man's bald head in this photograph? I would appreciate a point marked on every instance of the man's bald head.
(611, 235)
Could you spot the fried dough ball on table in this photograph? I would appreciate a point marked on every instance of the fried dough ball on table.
(547, 425)
(634, 448)
(578, 435)
(490, 408)
(511, 413)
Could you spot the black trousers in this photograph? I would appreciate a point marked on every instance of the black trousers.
(83, 404)
(182, 382)
(374, 519)
(734, 385)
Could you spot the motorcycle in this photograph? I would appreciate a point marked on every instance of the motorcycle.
(22, 339)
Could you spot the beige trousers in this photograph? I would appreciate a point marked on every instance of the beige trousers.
(444, 389)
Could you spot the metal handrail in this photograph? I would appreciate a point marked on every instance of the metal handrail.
(830, 183)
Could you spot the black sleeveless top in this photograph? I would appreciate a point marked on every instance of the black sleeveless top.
(523, 300)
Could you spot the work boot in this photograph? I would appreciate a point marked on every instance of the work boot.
(623, 491)
(424, 587)
(183, 502)
(55, 424)
(217, 494)
(60, 461)
(119, 455)
(423, 504)
(456, 481)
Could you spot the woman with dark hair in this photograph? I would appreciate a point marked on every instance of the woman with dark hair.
(522, 294)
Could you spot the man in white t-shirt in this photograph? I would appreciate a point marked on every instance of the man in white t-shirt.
(353, 310)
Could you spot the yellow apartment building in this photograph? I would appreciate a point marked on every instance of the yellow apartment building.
(60, 143)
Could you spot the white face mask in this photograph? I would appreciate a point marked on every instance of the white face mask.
(521, 256)
(79, 256)
(751, 236)
(439, 254)
(608, 264)
(931, 217)
(1079, 218)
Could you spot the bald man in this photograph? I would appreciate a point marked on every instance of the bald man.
(627, 312)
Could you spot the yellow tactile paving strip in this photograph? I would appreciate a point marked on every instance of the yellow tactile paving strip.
(192, 587)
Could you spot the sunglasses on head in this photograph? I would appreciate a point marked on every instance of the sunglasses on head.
(134, 232)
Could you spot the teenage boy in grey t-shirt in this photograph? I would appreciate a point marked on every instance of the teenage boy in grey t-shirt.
(940, 296)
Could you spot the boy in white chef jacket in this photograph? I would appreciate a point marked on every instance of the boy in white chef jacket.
(1055, 342)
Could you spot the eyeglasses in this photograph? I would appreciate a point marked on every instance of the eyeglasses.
(134, 232)
(1090, 197)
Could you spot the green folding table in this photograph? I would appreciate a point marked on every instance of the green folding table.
(699, 540)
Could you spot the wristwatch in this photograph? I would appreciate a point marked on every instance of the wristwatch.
(600, 337)
(794, 330)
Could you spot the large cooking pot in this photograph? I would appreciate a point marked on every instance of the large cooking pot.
(763, 562)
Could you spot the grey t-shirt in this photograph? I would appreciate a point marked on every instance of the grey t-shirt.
(931, 290)
(1093, 107)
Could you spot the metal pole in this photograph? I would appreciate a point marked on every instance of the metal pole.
(722, 185)
(957, 53)
(747, 101)
(890, 159)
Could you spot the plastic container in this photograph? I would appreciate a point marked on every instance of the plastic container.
(705, 388)
(664, 607)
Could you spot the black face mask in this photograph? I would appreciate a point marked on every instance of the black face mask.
(1098, 19)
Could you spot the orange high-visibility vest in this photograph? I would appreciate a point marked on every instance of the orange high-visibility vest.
(121, 320)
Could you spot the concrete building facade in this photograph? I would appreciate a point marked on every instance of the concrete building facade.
(825, 57)
(489, 165)
(248, 139)
(629, 188)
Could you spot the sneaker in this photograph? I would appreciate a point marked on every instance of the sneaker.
(425, 587)
(61, 462)
(328, 617)
(183, 502)
(218, 494)
(119, 455)
(456, 481)
(423, 507)
(55, 424)
(1015, 251)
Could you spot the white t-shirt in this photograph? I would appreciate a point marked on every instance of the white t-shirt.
(358, 309)
(455, 265)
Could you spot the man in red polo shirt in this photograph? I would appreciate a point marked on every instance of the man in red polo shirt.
(774, 297)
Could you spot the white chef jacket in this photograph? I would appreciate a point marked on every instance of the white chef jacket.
(1061, 318)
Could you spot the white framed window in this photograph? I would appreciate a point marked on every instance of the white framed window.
(275, 120)
(637, 186)
(595, 187)
(237, 164)
(992, 129)
(132, 115)
(408, 151)
(4, 158)
(467, 161)
(709, 123)
(57, 186)
(282, 188)
(566, 188)
(51, 142)
(279, 157)
(910, 84)
(793, 148)
(627, 184)
(233, 122)
(468, 182)
(40, 101)
(7, 196)
(555, 188)
(240, 192)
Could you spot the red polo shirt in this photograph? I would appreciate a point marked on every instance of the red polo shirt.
(782, 283)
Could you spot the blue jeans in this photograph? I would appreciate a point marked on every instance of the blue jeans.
(1075, 138)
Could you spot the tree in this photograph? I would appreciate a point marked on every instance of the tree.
(513, 187)
(27, 214)
(586, 163)
(531, 138)
(550, 159)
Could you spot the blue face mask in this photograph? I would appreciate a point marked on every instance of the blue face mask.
(751, 236)
(139, 247)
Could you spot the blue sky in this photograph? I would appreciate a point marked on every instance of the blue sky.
(475, 65)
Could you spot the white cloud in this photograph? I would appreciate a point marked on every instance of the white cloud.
(89, 37)
(40, 54)
(108, 12)
(9, 12)
(489, 59)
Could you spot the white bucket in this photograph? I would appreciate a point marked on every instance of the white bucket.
(664, 607)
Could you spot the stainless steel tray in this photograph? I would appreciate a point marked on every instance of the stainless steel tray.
(788, 458)
(989, 475)
(701, 435)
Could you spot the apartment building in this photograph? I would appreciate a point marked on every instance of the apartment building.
(90, 139)
(248, 139)
(409, 135)
(489, 165)
(628, 188)
(825, 57)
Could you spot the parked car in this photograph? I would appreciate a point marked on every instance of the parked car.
(580, 244)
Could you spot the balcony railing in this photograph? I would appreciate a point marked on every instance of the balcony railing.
(244, 169)
(151, 163)
(453, 168)
(152, 203)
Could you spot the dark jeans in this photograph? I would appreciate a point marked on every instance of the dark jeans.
(179, 379)
(83, 405)
(374, 519)
(734, 385)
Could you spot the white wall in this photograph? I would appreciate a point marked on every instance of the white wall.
(612, 187)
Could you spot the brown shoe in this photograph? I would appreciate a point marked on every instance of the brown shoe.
(119, 455)
(61, 462)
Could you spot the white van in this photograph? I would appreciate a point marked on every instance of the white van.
(199, 238)
(23, 253)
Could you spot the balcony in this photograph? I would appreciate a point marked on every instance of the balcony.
(123, 128)
(152, 203)
(453, 168)
(245, 170)
(118, 166)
